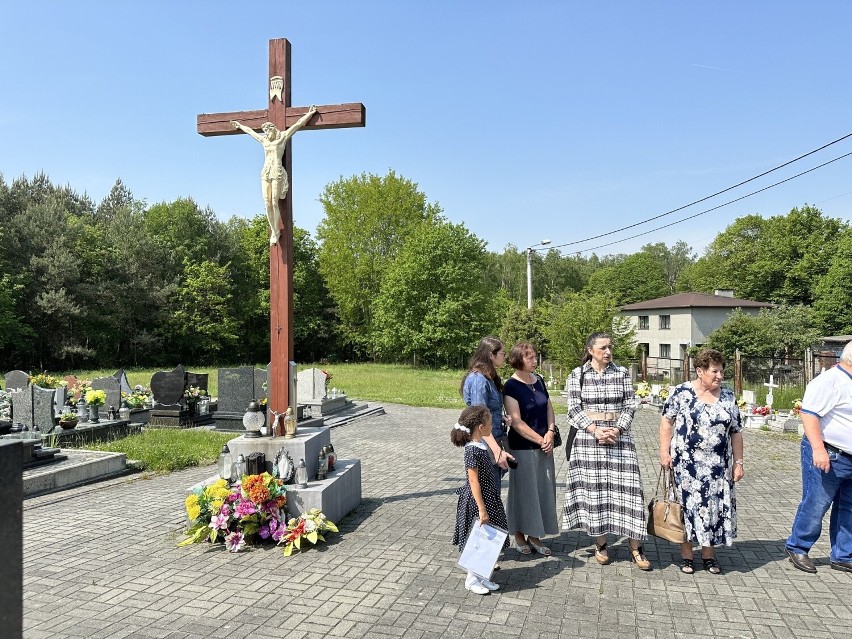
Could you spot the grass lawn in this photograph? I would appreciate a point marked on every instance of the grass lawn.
(165, 450)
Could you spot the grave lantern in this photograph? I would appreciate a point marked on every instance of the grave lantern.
(239, 469)
(124, 411)
(253, 420)
(302, 475)
(225, 463)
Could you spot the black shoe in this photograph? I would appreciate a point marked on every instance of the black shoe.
(804, 563)
(842, 565)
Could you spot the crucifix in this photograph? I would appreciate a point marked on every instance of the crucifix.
(281, 116)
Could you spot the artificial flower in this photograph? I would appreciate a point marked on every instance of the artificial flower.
(235, 541)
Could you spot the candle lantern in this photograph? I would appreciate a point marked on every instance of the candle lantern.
(124, 411)
(253, 420)
(332, 456)
(82, 410)
(289, 423)
(225, 463)
(239, 469)
(302, 475)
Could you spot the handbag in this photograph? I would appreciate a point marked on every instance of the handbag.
(665, 516)
(557, 437)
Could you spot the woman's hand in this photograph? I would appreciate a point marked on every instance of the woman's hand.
(547, 443)
(606, 436)
(739, 472)
(666, 459)
(483, 518)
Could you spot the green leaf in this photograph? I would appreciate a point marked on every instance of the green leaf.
(312, 536)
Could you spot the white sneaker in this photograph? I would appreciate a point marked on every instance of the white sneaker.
(490, 584)
(474, 585)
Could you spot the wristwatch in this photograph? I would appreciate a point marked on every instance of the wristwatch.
(740, 463)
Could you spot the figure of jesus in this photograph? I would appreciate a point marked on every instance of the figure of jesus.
(273, 177)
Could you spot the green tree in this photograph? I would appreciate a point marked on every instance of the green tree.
(672, 260)
(367, 220)
(434, 300)
(525, 324)
(784, 331)
(833, 293)
(576, 317)
(635, 278)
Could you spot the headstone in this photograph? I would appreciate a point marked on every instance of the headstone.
(199, 380)
(237, 388)
(167, 387)
(11, 539)
(44, 408)
(17, 379)
(22, 407)
(112, 387)
(311, 383)
(748, 397)
(123, 382)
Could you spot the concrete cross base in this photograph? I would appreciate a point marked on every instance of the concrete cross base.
(306, 445)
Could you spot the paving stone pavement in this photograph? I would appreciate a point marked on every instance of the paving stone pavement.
(101, 561)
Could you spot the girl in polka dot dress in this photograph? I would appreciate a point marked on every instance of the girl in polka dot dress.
(479, 498)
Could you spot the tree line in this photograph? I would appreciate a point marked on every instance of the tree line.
(388, 277)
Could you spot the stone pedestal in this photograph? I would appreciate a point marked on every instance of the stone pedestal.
(306, 445)
(177, 417)
(327, 405)
(336, 496)
(87, 432)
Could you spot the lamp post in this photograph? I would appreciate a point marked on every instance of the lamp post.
(529, 270)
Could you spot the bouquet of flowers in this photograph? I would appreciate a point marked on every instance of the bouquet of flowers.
(82, 387)
(643, 391)
(797, 406)
(741, 403)
(235, 515)
(137, 397)
(193, 393)
(328, 376)
(47, 381)
(664, 393)
(310, 525)
(761, 411)
(96, 397)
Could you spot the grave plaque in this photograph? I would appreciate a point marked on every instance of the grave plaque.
(236, 389)
(123, 382)
(199, 380)
(43, 408)
(311, 384)
(167, 386)
(11, 538)
(112, 387)
(17, 379)
(22, 407)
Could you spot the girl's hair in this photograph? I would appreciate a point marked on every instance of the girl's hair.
(590, 341)
(471, 418)
(519, 351)
(481, 361)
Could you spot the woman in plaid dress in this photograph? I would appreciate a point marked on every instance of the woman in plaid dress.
(604, 490)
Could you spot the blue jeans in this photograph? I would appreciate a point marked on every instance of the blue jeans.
(819, 492)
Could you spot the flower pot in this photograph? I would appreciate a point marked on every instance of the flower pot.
(93, 413)
(68, 424)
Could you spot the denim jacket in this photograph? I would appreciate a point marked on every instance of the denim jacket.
(478, 389)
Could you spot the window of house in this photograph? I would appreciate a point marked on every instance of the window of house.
(643, 323)
(665, 322)
(665, 350)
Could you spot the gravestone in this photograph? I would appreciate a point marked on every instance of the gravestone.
(170, 408)
(123, 382)
(311, 383)
(17, 380)
(237, 388)
(44, 410)
(112, 387)
(11, 539)
(22, 407)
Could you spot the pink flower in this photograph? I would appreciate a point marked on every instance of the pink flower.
(219, 522)
(235, 541)
(224, 510)
(245, 508)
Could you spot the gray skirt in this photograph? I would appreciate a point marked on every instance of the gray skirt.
(531, 501)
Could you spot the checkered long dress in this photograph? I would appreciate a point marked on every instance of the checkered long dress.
(604, 490)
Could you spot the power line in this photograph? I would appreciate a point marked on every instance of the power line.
(747, 195)
(703, 199)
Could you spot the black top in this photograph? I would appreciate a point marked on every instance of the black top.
(532, 400)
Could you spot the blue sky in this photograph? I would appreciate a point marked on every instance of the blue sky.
(525, 121)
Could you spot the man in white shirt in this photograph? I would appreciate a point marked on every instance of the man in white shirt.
(826, 468)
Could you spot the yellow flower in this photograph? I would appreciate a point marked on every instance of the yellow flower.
(193, 510)
(216, 506)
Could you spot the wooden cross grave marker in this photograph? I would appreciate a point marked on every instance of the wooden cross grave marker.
(282, 115)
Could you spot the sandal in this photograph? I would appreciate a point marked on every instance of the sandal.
(523, 547)
(711, 565)
(540, 549)
(686, 566)
(638, 557)
(601, 555)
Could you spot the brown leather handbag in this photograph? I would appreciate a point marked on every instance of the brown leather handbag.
(665, 516)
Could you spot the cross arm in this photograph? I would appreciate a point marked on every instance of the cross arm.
(331, 116)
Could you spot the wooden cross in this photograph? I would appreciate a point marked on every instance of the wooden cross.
(282, 115)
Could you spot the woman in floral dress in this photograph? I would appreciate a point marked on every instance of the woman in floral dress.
(701, 439)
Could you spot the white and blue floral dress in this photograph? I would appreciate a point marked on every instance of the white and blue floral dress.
(702, 459)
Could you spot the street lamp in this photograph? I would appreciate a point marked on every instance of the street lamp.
(529, 270)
